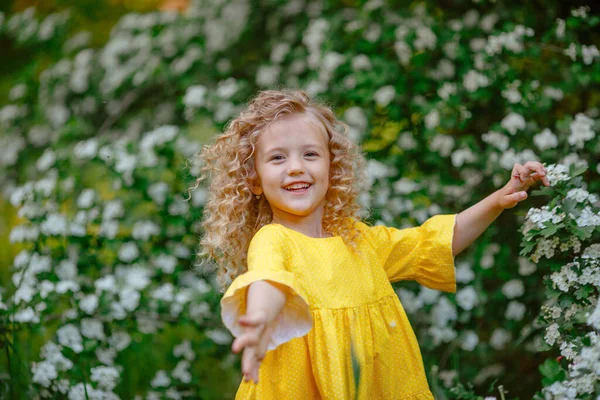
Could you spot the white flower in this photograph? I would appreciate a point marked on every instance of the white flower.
(496, 139)
(165, 262)
(425, 38)
(136, 277)
(552, 334)
(545, 140)
(384, 95)
(403, 52)
(69, 336)
(526, 267)
(184, 349)
(464, 273)
(47, 160)
(194, 96)
(219, 336)
(128, 252)
(513, 288)
(443, 312)
(164, 292)
(467, 298)
(89, 304)
(113, 209)
(106, 283)
(268, 75)
(513, 122)
(92, 328)
(161, 379)
(460, 156)
(474, 80)
(515, 311)
(487, 23)
(119, 340)
(158, 192)
(593, 251)
(143, 230)
(355, 116)
(512, 95)
(106, 377)
(581, 130)
(279, 51)
(52, 353)
(588, 218)
(181, 372)
(469, 341)
(129, 298)
(432, 119)
(553, 93)
(44, 373)
(447, 90)
(361, 62)
(86, 198)
(578, 194)
(26, 315)
(442, 144)
(54, 224)
(407, 141)
(557, 173)
(500, 337)
(589, 53)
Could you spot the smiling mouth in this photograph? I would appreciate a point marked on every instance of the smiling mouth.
(298, 187)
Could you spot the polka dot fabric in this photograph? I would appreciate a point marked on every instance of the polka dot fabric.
(341, 306)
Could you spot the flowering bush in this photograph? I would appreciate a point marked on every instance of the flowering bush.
(563, 237)
(444, 102)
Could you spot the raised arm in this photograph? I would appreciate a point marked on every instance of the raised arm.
(472, 222)
(265, 302)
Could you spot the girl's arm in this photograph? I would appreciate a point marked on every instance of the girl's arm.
(263, 305)
(471, 223)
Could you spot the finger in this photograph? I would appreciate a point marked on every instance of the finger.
(247, 320)
(247, 362)
(247, 339)
(511, 200)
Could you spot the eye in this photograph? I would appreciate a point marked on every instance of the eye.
(276, 157)
(311, 154)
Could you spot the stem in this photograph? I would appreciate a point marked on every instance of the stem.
(501, 390)
(9, 369)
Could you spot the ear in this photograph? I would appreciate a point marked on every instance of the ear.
(255, 187)
(257, 190)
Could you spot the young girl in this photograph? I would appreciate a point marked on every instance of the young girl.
(308, 285)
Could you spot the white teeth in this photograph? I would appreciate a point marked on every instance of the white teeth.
(297, 186)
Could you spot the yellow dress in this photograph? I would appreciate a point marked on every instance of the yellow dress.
(340, 307)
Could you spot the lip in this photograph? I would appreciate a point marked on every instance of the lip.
(297, 192)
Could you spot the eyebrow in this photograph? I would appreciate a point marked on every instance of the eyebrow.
(282, 149)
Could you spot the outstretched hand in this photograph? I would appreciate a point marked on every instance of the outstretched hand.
(522, 178)
(253, 341)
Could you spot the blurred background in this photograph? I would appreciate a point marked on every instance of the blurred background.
(103, 105)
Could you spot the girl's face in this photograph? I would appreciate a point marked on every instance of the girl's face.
(292, 163)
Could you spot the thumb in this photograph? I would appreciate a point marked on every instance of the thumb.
(511, 200)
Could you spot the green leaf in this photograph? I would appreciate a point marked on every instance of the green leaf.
(584, 292)
(549, 230)
(576, 171)
(551, 372)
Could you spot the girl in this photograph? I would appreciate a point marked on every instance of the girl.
(308, 285)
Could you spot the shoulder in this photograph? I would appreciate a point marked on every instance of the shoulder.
(270, 235)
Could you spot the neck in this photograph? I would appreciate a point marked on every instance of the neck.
(310, 225)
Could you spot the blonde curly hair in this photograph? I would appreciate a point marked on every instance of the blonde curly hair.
(232, 214)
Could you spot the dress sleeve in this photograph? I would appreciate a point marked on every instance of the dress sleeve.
(267, 261)
(422, 253)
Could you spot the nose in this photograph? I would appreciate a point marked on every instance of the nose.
(295, 166)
